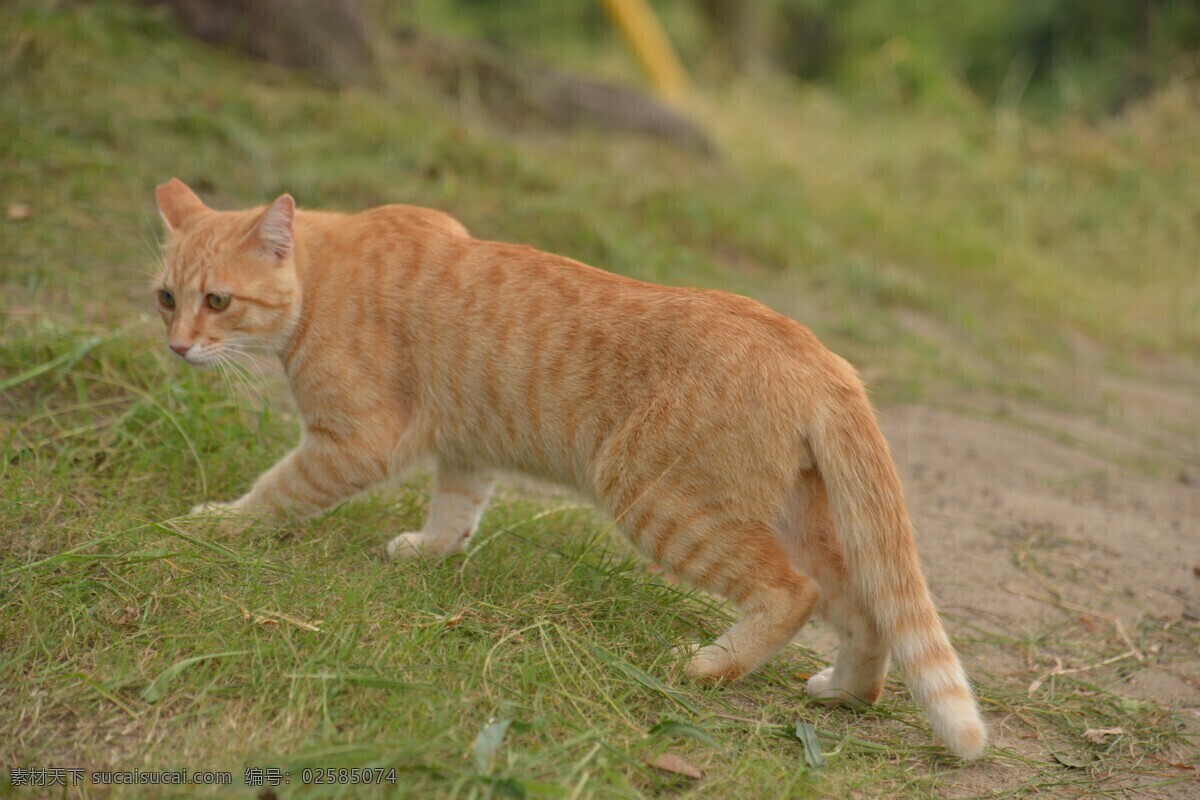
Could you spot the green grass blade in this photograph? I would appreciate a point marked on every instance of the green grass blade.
(673, 727)
(105, 693)
(158, 688)
(66, 555)
(65, 361)
(807, 735)
(33, 372)
(217, 549)
(645, 679)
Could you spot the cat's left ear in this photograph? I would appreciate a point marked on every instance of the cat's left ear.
(274, 230)
(176, 202)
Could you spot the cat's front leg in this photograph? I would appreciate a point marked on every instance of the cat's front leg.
(459, 496)
(320, 473)
(228, 517)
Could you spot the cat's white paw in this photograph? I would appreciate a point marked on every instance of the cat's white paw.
(406, 545)
(211, 509)
(418, 544)
(230, 518)
(818, 685)
(821, 688)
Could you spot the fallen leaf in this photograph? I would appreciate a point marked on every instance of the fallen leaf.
(807, 735)
(671, 727)
(18, 211)
(487, 743)
(1175, 764)
(128, 614)
(669, 762)
(1100, 735)
(1069, 759)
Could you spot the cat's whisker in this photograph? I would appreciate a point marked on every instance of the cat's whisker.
(252, 363)
(242, 347)
(155, 251)
(247, 360)
(219, 364)
(249, 388)
(253, 387)
(141, 271)
(223, 364)
(232, 379)
(241, 363)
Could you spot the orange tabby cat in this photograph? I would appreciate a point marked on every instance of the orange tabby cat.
(729, 444)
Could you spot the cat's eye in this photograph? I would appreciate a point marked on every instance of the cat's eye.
(166, 298)
(218, 302)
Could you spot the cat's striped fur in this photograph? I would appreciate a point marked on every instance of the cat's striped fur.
(729, 444)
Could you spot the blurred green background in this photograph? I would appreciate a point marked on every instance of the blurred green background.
(988, 206)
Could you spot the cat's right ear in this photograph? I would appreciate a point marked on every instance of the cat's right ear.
(274, 232)
(176, 203)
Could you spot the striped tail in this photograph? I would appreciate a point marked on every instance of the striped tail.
(876, 534)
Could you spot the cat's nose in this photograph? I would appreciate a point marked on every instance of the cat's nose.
(181, 349)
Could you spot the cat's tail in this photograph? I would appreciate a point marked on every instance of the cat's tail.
(876, 534)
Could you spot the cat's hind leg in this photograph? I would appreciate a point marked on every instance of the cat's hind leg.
(698, 540)
(460, 494)
(858, 672)
(856, 677)
(772, 613)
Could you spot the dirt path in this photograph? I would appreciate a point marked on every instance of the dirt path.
(1047, 550)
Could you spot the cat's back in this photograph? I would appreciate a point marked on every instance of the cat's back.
(428, 220)
(642, 314)
(531, 313)
(380, 229)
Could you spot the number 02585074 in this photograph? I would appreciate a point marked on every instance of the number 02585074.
(348, 775)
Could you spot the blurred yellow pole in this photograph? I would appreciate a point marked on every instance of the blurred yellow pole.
(646, 37)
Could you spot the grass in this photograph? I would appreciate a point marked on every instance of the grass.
(960, 252)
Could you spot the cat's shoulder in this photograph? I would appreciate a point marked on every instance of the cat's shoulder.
(429, 219)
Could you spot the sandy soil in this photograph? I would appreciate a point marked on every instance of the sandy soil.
(1054, 541)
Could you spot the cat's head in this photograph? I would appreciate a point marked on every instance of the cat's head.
(227, 283)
